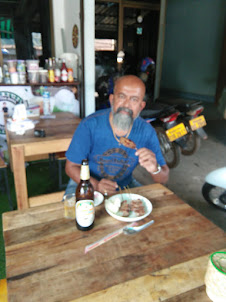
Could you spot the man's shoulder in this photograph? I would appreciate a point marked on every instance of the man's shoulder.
(100, 114)
(140, 122)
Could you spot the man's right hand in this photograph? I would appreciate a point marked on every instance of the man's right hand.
(106, 186)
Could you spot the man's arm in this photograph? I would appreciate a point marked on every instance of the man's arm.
(148, 160)
(103, 186)
(163, 176)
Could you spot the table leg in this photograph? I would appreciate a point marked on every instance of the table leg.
(20, 179)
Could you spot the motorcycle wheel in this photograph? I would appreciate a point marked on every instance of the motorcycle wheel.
(214, 195)
(170, 150)
(193, 142)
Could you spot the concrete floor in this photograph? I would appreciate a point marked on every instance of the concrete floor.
(187, 179)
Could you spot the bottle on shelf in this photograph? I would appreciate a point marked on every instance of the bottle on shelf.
(51, 77)
(64, 73)
(70, 75)
(6, 74)
(57, 72)
(46, 64)
(85, 210)
(46, 103)
(1, 74)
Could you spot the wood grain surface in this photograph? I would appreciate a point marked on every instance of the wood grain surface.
(59, 132)
(45, 253)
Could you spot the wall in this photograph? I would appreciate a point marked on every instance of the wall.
(66, 13)
(193, 43)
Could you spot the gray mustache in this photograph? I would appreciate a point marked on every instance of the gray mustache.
(125, 109)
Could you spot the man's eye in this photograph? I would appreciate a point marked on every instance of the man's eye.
(134, 100)
(121, 96)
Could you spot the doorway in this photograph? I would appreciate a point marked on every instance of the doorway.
(132, 29)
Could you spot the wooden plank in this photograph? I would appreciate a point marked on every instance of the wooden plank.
(46, 199)
(50, 146)
(178, 236)
(20, 179)
(36, 157)
(184, 279)
(59, 132)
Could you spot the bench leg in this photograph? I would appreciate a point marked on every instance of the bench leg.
(8, 189)
(61, 185)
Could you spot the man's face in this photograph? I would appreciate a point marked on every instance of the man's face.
(127, 103)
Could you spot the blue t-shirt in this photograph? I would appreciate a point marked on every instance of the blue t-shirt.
(94, 140)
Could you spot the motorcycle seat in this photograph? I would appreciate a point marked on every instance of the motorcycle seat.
(180, 104)
(156, 110)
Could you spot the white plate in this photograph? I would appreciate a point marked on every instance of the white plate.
(127, 196)
(98, 198)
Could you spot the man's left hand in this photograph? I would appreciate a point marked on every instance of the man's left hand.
(147, 159)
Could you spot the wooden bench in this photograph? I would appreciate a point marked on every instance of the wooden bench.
(3, 168)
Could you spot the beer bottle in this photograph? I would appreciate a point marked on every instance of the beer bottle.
(85, 211)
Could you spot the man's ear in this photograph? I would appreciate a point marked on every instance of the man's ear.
(111, 99)
(143, 104)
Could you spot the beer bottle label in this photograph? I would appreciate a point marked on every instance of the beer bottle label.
(85, 174)
(85, 212)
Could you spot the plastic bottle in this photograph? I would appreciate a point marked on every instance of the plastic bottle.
(57, 72)
(70, 75)
(64, 73)
(6, 74)
(85, 210)
(46, 103)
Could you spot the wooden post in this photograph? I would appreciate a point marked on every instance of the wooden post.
(20, 179)
(120, 26)
(160, 48)
(1, 56)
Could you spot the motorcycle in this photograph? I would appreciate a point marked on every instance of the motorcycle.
(193, 121)
(170, 133)
(214, 188)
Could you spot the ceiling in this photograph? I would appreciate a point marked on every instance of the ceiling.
(11, 8)
(23, 10)
(106, 13)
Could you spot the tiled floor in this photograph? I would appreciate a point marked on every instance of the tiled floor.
(187, 179)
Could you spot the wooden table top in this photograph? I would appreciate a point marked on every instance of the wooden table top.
(63, 126)
(45, 258)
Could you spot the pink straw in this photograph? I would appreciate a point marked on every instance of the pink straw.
(106, 238)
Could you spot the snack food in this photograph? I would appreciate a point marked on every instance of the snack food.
(127, 142)
(133, 206)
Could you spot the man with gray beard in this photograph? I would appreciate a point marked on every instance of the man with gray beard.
(98, 138)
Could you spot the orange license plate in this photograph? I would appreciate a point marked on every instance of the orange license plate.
(176, 132)
(197, 122)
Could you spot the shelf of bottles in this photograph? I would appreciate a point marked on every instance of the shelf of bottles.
(28, 73)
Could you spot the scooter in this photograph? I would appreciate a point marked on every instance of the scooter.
(214, 188)
(170, 133)
(193, 121)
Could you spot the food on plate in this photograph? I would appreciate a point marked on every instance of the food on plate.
(127, 142)
(114, 206)
(126, 208)
(135, 206)
(138, 207)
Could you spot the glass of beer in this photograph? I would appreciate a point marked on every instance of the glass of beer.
(69, 206)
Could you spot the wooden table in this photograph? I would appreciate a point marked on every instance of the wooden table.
(45, 258)
(59, 132)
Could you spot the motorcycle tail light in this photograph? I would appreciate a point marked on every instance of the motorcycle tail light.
(170, 118)
(196, 111)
